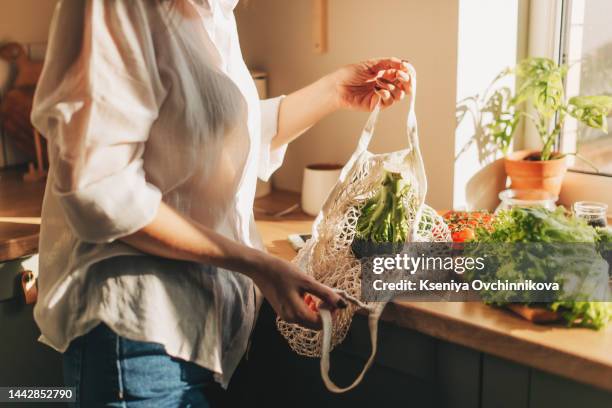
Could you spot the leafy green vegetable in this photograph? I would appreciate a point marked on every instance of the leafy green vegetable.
(581, 266)
(594, 315)
(537, 225)
(383, 218)
(604, 235)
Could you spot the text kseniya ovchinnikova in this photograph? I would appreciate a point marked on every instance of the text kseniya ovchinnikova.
(458, 265)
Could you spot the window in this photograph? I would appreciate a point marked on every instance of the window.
(586, 46)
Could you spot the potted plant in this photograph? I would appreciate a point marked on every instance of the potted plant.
(540, 98)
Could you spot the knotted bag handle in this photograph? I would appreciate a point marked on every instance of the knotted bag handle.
(374, 313)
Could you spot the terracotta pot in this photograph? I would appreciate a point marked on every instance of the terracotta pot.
(535, 174)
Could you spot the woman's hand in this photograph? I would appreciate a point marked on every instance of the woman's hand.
(287, 289)
(360, 86)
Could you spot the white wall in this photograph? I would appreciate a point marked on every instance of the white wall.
(25, 21)
(276, 37)
(488, 42)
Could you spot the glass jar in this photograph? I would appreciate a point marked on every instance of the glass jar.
(513, 198)
(593, 212)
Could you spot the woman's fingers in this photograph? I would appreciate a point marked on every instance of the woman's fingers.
(380, 64)
(399, 79)
(403, 80)
(380, 81)
(396, 91)
(395, 83)
(386, 102)
(383, 96)
(304, 315)
(399, 95)
(330, 297)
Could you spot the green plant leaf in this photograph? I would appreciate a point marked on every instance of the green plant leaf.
(541, 82)
(591, 110)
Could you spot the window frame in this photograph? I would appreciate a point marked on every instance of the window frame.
(543, 40)
(567, 140)
(545, 37)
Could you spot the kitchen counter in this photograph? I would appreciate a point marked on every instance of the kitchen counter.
(580, 354)
(20, 205)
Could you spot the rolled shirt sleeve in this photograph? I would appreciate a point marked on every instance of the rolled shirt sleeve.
(270, 159)
(96, 109)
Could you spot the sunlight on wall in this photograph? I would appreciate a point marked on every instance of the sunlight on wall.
(276, 36)
(487, 43)
(25, 21)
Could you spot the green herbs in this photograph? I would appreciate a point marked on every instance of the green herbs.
(604, 235)
(560, 244)
(537, 225)
(594, 315)
(383, 218)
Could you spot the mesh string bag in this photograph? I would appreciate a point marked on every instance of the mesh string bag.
(328, 257)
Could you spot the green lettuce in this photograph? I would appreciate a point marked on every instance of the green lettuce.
(580, 263)
(383, 218)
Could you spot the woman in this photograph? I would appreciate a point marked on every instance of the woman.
(148, 250)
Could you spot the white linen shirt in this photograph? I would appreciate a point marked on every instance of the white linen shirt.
(142, 102)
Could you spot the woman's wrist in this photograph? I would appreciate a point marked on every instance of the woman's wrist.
(256, 263)
(329, 91)
(303, 108)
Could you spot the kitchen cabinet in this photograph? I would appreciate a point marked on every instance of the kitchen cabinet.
(23, 360)
(411, 370)
(504, 384)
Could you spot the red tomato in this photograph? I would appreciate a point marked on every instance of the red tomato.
(463, 235)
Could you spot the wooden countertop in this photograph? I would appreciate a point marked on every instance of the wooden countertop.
(580, 354)
(20, 204)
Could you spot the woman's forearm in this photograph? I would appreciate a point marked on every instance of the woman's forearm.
(171, 235)
(358, 86)
(303, 108)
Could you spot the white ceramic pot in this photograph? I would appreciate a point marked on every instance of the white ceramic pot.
(319, 179)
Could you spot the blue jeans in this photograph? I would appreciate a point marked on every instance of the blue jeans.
(112, 371)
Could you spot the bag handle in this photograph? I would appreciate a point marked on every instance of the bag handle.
(366, 137)
(411, 123)
(374, 313)
(413, 141)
